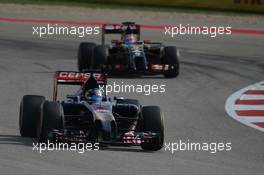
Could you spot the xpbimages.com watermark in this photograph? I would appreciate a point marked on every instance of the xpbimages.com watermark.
(211, 31)
(79, 31)
(61, 146)
(144, 89)
(213, 147)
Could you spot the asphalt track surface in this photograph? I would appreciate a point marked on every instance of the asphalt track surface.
(193, 104)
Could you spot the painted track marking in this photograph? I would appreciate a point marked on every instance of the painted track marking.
(247, 106)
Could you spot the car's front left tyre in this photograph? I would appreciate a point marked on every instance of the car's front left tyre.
(153, 121)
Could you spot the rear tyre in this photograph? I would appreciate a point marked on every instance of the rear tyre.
(171, 55)
(153, 122)
(85, 55)
(52, 117)
(30, 110)
(100, 56)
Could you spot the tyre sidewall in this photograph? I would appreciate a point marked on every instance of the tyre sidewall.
(52, 117)
(153, 121)
(30, 111)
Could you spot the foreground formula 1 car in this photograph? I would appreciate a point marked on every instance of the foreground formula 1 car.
(129, 54)
(90, 116)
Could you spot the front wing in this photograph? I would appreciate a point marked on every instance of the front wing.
(151, 69)
(132, 138)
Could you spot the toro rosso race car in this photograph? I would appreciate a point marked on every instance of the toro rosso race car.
(129, 54)
(90, 116)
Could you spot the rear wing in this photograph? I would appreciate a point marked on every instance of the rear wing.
(76, 78)
(120, 29)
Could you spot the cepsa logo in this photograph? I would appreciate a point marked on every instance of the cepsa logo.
(80, 76)
(76, 75)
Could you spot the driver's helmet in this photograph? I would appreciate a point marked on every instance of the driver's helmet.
(129, 39)
(94, 95)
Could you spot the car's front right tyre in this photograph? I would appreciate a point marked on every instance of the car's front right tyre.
(171, 58)
(30, 111)
(100, 56)
(52, 117)
(85, 55)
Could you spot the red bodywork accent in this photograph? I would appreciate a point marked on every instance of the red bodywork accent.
(147, 41)
(160, 67)
(103, 110)
(120, 67)
(116, 42)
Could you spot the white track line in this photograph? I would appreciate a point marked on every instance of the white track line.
(252, 97)
(252, 119)
(248, 107)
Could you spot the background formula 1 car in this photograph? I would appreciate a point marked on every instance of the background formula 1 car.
(93, 118)
(129, 54)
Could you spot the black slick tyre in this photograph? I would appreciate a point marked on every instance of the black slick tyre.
(171, 58)
(100, 56)
(30, 110)
(85, 55)
(52, 117)
(153, 122)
